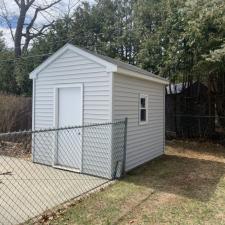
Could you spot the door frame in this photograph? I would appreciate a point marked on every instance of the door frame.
(56, 124)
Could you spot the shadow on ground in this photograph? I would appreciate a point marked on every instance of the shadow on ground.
(189, 177)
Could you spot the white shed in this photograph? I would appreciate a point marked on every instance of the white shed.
(91, 88)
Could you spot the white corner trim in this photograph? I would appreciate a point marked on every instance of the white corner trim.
(33, 118)
(109, 66)
(33, 103)
(111, 76)
(164, 120)
(142, 76)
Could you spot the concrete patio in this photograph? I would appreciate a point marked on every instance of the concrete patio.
(28, 189)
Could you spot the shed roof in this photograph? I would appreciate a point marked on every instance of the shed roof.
(124, 65)
(116, 65)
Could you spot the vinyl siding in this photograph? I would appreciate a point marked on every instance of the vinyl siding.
(71, 68)
(144, 142)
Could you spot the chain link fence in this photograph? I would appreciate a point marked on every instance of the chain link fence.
(45, 168)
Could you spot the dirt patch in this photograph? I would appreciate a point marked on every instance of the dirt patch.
(193, 149)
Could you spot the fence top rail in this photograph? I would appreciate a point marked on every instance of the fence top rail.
(196, 116)
(63, 128)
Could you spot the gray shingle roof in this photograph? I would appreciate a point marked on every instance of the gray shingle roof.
(123, 65)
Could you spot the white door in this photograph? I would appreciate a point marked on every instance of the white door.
(69, 141)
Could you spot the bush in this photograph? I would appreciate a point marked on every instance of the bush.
(16, 113)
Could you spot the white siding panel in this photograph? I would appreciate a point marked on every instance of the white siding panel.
(96, 96)
(71, 68)
(144, 142)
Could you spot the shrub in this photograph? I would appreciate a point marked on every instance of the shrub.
(16, 113)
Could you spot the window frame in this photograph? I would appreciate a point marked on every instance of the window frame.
(145, 96)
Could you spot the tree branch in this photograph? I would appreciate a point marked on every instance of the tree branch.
(30, 36)
(44, 7)
(5, 17)
(50, 5)
(17, 2)
(39, 9)
(30, 25)
(40, 32)
(29, 3)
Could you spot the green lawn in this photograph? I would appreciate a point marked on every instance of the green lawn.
(185, 186)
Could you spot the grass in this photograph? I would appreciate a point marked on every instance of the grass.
(185, 186)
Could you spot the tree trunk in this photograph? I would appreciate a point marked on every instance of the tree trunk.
(18, 34)
(211, 106)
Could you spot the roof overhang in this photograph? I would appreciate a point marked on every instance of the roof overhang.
(142, 76)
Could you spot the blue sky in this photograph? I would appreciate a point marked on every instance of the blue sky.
(52, 14)
(13, 21)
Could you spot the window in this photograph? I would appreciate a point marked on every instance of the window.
(143, 109)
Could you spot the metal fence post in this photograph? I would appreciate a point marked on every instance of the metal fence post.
(125, 146)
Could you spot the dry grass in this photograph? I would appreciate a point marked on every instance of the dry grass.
(185, 186)
(14, 149)
(15, 113)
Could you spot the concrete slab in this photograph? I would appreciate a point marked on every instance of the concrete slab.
(28, 189)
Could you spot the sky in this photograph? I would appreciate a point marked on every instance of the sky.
(52, 14)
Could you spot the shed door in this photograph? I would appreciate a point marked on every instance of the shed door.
(69, 144)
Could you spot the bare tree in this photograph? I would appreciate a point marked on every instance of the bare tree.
(24, 29)
(72, 4)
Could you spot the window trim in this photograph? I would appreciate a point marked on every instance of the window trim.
(146, 108)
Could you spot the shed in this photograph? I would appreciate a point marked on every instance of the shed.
(103, 90)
